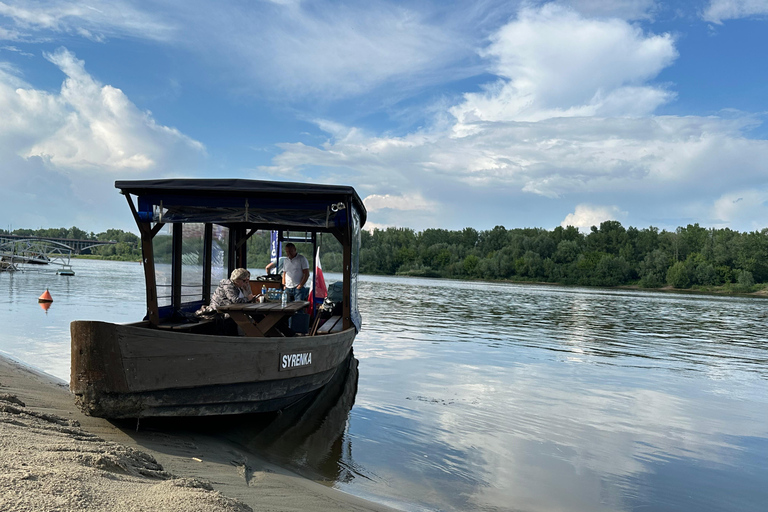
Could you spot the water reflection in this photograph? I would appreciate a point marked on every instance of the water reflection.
(483, 396)
(505, 397)
(310, 436)
(695, 330)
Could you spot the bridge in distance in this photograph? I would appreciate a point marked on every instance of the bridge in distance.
(17, 251)
(76, 246)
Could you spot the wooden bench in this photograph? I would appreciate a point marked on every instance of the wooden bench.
(333, 324)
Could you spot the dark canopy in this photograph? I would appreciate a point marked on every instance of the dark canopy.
(237, 200)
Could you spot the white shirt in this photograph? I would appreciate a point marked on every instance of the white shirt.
(294, 270)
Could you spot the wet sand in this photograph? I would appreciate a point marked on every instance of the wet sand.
(53, 457)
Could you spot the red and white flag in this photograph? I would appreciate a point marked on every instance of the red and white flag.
(320, 291)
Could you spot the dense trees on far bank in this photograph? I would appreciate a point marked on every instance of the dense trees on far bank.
(609, 255)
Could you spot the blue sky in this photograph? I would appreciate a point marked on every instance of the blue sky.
(441, 114)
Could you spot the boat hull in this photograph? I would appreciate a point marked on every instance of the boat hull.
(135, 370)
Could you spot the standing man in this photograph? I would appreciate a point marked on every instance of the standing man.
(296, 273)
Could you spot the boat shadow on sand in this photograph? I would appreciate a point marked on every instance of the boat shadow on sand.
(309, 437)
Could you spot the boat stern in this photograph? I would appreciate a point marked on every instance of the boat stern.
(96, 368)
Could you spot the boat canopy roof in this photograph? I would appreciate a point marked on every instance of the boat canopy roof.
(228, 201)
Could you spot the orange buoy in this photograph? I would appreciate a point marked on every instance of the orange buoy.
(45, 297)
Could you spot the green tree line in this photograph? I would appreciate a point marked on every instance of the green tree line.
(609, 255)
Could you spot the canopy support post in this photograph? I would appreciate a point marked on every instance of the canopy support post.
(148, 261)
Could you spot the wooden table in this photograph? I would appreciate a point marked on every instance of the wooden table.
(258, 318)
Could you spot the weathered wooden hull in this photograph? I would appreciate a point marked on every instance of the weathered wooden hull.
(130, 371)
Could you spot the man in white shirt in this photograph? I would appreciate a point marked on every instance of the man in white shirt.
(296, 273)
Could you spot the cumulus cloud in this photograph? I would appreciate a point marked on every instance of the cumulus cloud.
(571, 118)
(721, 10)
(93, 20)
(87, 125)
(570, 115)
(376, 202)
(72, 144)
(373, 226)
(555, 63)
(585, 216)
(550, 158)
(642, 160)
(97, 126)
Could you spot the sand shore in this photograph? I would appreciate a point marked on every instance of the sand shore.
(53, 457)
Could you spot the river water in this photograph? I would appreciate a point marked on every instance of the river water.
(482, 396)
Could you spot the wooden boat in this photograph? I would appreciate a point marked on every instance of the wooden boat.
(170, 363)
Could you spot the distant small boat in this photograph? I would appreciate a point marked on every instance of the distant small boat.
(171, 364)
(66, 271)
(31, 259)
(37, 259)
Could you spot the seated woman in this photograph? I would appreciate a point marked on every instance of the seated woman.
(235, 290)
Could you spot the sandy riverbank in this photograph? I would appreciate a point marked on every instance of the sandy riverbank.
(52, 457)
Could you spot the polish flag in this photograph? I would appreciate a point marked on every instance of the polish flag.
(321, 291)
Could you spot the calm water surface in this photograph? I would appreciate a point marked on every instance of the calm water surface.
(477, 396)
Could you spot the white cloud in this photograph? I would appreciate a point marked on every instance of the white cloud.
(555, 63)
(373, 226)
(10, 75)
(665, 159)
(93, 20)
(570, 116)
(285, 48)
(70, 146)
(585, 216)
(304, 50)
(93, 126)
(375, 202)
(503, 149)
(720, 10)
(15, 49)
